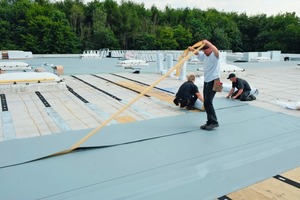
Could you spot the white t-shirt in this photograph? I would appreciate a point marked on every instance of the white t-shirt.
(211, 66)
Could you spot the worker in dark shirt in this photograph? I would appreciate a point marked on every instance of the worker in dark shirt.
(188, 93)
(243, 89)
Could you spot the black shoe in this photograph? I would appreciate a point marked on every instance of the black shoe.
(252, 97)
(175, 101)
(211, 127)
(190, 108)
(203, 126)
(183, 103)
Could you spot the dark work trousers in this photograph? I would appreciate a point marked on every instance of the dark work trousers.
(245, 96)
(192, 101)
(209, 95)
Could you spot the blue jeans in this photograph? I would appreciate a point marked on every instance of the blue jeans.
(209, 95)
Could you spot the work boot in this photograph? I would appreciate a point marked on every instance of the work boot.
(175, 101)
(252, 97)
(211, 127)
(204, 126)
(183, 103)
(190, 108)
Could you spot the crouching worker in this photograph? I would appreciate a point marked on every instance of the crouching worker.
(243, 89)
(188, 93)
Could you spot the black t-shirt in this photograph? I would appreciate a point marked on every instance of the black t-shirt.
(241, 84)
(187, 90)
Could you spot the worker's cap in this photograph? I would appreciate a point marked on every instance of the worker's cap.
(231, 76)
(205, 47)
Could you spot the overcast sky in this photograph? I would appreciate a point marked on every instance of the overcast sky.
(250, 7)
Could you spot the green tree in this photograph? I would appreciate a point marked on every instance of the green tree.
(103, 36)
(129, 24)
(72, 26)
(182, 36)
(77, 18)
(165, 39)
(146, 42)
(281, 32)
(224, 32)
(47, 36)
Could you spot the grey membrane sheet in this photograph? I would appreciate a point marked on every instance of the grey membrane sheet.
(29, 149)
(164, 158)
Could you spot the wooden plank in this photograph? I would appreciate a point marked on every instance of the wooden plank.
(267, 190)
(36, 80)
(293, 174)
(125, 119)
(158, 94)
(247, 194)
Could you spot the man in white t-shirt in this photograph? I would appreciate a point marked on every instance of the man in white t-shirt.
(211, 67)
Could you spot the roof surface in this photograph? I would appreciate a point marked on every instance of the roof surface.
(162, 158)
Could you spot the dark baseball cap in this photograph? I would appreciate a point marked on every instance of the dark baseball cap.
(231, 76)
(205, 47)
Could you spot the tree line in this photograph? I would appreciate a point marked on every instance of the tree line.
(71, 26)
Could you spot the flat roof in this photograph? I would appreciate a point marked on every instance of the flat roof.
(160, 152)
(162, 158)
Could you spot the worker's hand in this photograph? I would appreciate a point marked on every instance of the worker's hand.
(205, 42)
(190, 48)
